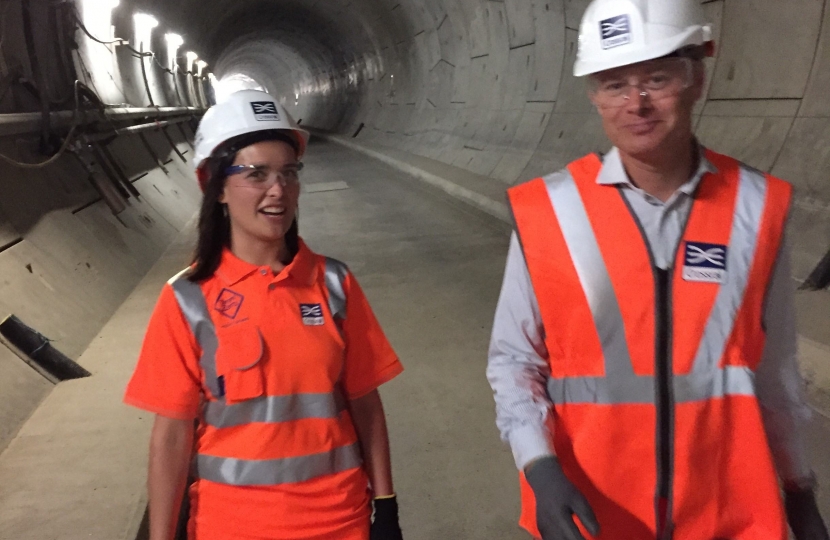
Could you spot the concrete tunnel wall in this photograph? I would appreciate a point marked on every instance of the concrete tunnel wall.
(487, 85)
(66, 261)
(478, 84)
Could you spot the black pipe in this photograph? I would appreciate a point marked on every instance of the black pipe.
(134, 130)
(180, 125)
(28, 36)
(172, 144)
(112, 169)
(111, 197)
(38, 347)
(119, 171)
(105, 167)
(175, 75)
(152, 152)
(144, 75)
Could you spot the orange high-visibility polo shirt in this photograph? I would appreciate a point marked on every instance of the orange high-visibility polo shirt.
(276, 452)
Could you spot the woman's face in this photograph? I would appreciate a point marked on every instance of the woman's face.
(261, 192)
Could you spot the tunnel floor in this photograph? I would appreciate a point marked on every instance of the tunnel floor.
(431, 267)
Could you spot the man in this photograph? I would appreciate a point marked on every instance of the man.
(643, 356)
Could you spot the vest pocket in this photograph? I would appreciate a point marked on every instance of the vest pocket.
(239, 361)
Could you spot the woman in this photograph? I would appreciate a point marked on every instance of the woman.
(273, 350)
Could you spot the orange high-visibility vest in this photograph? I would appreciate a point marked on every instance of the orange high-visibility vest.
(655, 417)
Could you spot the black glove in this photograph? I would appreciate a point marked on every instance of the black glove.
(558, 501)
(385, 526)
(803, 515)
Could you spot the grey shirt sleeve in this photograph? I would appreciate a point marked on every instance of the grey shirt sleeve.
(517, 366)
(779, 384)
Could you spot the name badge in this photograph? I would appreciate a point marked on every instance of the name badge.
(705, 263)
(312, 314)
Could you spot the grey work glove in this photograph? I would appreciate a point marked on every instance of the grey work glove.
(558, 501)
(803, 515)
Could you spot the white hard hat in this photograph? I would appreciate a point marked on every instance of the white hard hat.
(617, 33)
(244, 112)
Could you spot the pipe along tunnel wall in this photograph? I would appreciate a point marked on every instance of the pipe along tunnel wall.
(480, 85)
(74, 239)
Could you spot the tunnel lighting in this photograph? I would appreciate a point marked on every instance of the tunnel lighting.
(201, 65)
(174, 41)
(191, 58)
(144, 25)
(102, 5)
(234, 82)
(97, 16)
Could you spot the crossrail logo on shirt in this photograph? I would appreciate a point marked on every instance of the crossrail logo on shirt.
(312, 314)
(705, 263)
(615, 31)
(265, 111)
(228, 303)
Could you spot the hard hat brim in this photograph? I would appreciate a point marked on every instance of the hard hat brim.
(697, 35)
(301, 135)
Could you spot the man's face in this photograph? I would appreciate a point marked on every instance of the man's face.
(646, 108)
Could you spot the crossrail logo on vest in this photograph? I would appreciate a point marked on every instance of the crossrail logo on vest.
(615, 31)
(705, 263)
(312, 314)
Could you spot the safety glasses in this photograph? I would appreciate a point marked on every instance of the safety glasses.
(264, 177)
(656, 79)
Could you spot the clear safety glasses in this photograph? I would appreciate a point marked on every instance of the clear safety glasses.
(655, 80)
(264, 177)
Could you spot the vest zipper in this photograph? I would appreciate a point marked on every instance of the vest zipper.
(663, 385)
(664, 403)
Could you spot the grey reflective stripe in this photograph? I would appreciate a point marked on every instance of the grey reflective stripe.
(192, 303)
(269, 472)
(194, 308)
(717, 383)
(336, 273)
(621, 385)
(743, 240)
(273, 409)
(269, 409)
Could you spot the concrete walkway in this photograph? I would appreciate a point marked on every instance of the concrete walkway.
(76, 470)
(431, 267)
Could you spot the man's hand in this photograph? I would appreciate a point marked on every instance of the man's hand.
(558, 501)
(803, 515)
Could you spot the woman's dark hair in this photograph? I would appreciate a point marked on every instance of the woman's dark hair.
(214, 225)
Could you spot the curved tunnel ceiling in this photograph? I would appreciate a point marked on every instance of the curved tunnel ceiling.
(487, 86)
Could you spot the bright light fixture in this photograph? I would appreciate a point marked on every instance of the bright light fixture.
(201, 65)
(174, 41)
(144, 25)
(233, 83)
(107, 5)
(97, 16)
(191, 57)
(145, 21)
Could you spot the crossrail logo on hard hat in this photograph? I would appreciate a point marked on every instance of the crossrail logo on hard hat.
(265, 111)
(615, 31)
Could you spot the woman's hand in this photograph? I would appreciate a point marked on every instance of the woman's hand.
(385, 525)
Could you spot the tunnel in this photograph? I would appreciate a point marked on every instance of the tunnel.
(422, 114)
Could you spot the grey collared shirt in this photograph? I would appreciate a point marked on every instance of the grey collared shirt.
(518, 369)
